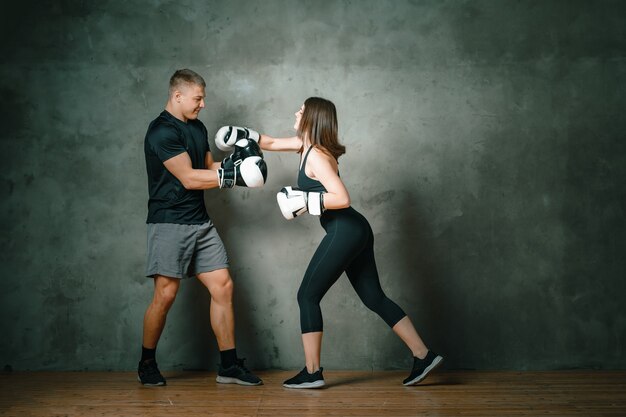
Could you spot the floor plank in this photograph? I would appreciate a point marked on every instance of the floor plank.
(348, 393)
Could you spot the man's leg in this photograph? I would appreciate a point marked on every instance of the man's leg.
(220, 286)
(232, 369)
(165, 290)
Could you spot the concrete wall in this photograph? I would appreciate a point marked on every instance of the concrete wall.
(485, 145)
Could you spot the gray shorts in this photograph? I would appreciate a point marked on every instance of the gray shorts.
(184, 250)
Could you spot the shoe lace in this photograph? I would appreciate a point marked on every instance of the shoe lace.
(241, 366)
(150, 368)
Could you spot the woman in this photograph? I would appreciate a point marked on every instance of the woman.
(348, 245)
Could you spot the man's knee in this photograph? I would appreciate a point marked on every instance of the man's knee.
(165, 291)
(219, 283)
(223, 290)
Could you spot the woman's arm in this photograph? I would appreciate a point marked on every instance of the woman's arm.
(268, 143)
(324, 169)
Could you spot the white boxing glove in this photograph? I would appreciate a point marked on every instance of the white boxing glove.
(250, 172)
(227, 136)
(294, 202)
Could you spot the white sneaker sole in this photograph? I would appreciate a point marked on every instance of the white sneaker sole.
(436, 362)
(229, 380)
(315, 384)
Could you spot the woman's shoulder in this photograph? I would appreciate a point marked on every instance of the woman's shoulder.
(320, 155)
(321, 152)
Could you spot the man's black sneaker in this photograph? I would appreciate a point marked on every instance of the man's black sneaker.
(237, 374)
(422, 367)
(306, 380)
(149, 375)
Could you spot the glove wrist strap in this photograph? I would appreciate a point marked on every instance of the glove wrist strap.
(227, 177)
(315, 203)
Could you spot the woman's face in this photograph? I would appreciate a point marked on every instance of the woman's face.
(298, 115)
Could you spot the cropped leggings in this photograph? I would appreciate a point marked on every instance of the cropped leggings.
(348, 246)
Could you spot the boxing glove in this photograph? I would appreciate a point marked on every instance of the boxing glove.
(227, 136)
(244, 148)
(294, 202)
(250, 172)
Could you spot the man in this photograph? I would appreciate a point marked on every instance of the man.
(182, 241)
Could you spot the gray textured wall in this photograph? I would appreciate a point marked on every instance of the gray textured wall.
(485, 145)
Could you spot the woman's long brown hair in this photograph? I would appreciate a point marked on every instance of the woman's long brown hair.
(319, 125)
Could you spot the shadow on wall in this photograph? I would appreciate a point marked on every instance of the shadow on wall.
(592, 212)
(416, 258)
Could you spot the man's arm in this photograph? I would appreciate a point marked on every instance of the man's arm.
(210, 163)
(193, 179)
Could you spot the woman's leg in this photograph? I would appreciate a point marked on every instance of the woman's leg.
(363, 275)
(406, 331)
(328, 263)
(312, 343)
(323, 271)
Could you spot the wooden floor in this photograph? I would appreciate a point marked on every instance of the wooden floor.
(469, 393)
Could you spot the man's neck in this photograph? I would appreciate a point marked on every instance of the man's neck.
(177, 114)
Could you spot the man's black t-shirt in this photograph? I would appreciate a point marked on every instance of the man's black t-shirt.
(169, 201)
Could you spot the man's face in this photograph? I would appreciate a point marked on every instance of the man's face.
(191, 99)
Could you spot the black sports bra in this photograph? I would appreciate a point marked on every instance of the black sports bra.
(305, 183)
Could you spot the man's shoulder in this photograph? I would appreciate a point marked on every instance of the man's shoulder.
(163, 121)
(162, 128)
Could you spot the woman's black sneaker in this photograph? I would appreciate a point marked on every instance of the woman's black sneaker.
(149, 375)
(237, 374)
(422, 367)
(306, 380)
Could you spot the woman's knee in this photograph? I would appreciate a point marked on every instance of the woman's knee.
(306, 298)
(375, 302)
(389, 311)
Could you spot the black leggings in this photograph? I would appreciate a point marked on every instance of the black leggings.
(348, 246)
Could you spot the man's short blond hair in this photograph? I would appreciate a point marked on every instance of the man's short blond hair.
(185, 77)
